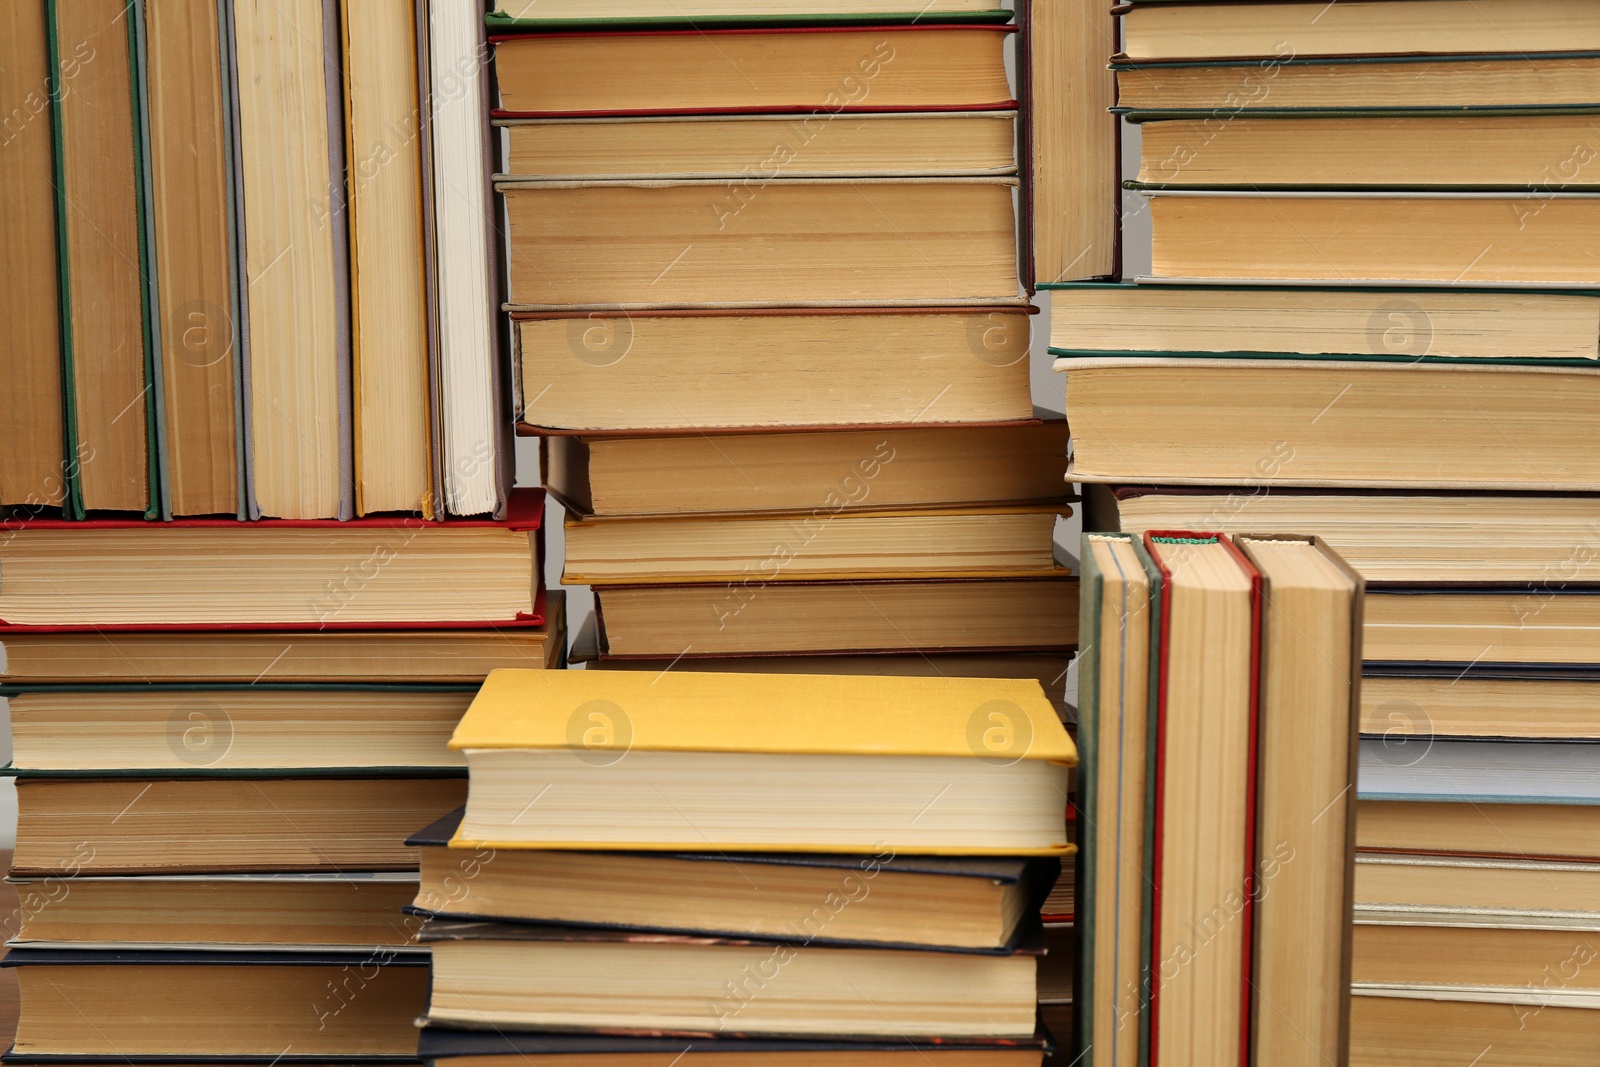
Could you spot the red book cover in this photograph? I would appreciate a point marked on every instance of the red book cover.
(524, 514)
(1163, 680)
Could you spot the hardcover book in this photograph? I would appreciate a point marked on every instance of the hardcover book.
(499, 976)
(787, 746)
(310, 574)
(954, 903)
(86, 1005)
(486, 1048)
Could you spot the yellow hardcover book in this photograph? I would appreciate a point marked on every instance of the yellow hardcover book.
(764, 762)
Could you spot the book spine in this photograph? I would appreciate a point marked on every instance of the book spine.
(1091, 591)
(333, 71)
(1025, 140)
(249, 505)
(72, 460)
(1248, 915)
(434, 505)
(159, 504)
(504, 434)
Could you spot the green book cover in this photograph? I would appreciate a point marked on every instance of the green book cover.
(191, 689)
(1328, 357)
(1123, 63)
(74, 507)
(1066, 352)
(1093, 720)
(1284, 287)
(1332, 190)
(1141, 115)
(158, 505)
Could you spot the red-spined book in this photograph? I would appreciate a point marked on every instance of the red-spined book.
(813, 71)
(1203, 848)
(283, 575)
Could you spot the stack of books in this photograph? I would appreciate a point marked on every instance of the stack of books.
(1219, 713)
(925, 574)
(251, 273)
(217, 767)
(1369, 318)
(759, 866)
(766, 316)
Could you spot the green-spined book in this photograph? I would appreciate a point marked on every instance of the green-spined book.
(1363, 323)
(1120, 611)
(1177, 31)
(108, 367)
(1532, 150)
(218, 730)
(1330, 423)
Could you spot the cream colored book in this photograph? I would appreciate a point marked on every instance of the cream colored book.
(1330, 423)
(1306, 738)
(977, 542)
(751, 149)
(1306, 28)
(834, 470)
(610, 370)
(1076, 185)
(930, 242)
(1396, 536)
(297, 331)
(388, 289)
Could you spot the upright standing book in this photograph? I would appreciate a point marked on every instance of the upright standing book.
(1074, 193)
(389, 321)
(473, 438)
(33, 464)
(1120, 607)
(291, 163)
(1303, 884)
(194, 249)
(1202, 829)
(100, 218)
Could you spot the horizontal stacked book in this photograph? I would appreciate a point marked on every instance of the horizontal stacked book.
(759, 867)
(1369, 319)
(217, 767)
(251, 274)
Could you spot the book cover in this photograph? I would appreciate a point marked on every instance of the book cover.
(1031, 944)
(1289, 928)
(1038, 873)
(78, 448)
(1095, 822)
(442, 1043)
(799, 714)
